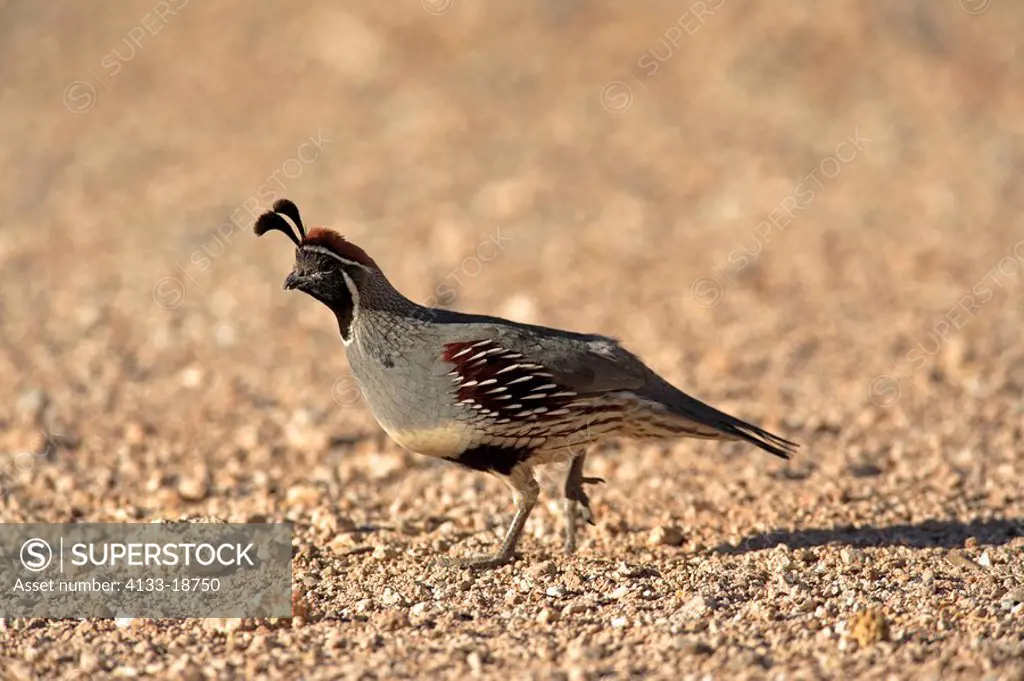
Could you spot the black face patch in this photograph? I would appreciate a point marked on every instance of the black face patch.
(492, 458)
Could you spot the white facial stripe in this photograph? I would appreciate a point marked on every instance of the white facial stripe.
(327, 251)
(355, 305)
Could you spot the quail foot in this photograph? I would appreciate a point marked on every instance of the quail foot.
(488, 393)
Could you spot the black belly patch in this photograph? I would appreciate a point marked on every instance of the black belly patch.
(492, 459)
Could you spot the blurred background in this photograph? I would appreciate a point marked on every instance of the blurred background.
(807, 214)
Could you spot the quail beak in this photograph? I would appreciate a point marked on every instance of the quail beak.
(293, 281)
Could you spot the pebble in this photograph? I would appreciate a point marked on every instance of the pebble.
(222, 625)
(134, 433)
(300, 605)
(666, 535)
(692, 646)
(385, 553)
(247, 437)
(620, 622)
(573, 609)
(577, 674)
(185, 669)
(391, 597)
(88, 661)
(868, 627)
(543, 569)
(302, 433)
(32, 403)
(302, 495)
(193, 487)
(547, 615)
(191, 377)
(621, 592)
(695, 608)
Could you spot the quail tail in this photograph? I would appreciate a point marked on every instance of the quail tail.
(694, 411)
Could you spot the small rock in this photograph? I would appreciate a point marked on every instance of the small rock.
(959, 560)
(984, 560)
(848, 556)
(123, 622)
(193, 487)
(1014, 596)
(247, 437)
(692, 646)
(409, 529)
(543, 569)
(547, 615)
(224, 334)
(302, 433)
(222, 625)
(88, 661)
(620, 622)
(300, 604)
(971, 543)
(392, 597)
(185, 669)
(192, 377)
(302, 495)
(695, 608)
(666, 535)
(17, 670)
(869, 627)
(31, 404)
(385, 553)
(419, 609)
(864, 469)
(134, 433)
(555, 591)
(475, 662)
(577, 674)
(573, 609)
(621, 592)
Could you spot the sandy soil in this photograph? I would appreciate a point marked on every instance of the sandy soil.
(808, 216)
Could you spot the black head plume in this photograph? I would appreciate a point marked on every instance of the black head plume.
(281, 217)
(270, 221)
(291, 211)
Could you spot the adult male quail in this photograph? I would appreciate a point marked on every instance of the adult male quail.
(488, 393)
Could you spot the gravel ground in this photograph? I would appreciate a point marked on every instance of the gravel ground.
(808, 216)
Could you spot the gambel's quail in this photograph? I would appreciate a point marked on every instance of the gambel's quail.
(488, 393)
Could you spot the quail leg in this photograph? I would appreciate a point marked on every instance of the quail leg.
(524, 495)
(575, 500)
